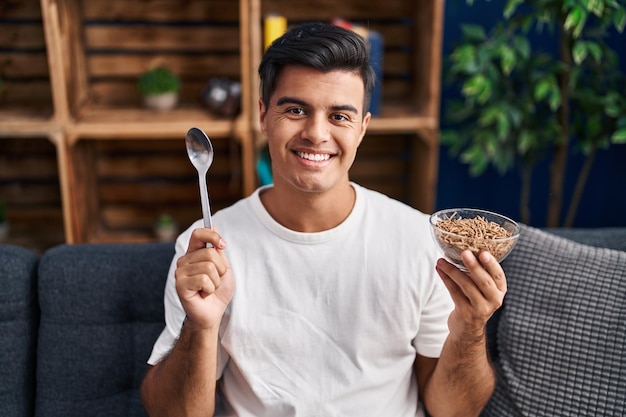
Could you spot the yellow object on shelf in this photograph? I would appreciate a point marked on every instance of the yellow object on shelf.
(275, 26)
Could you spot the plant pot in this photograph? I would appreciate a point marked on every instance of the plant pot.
(166, 233)
(161, 102)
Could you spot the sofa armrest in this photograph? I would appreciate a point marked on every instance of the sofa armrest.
(601, 237)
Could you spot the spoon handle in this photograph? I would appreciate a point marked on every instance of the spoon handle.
(204, 198)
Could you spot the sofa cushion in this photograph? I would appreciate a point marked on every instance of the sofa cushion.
(101, 311)
(561, 334)
(18, 325)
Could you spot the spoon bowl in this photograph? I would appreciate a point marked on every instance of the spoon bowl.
(200, 152)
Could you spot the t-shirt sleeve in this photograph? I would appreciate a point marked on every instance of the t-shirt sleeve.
(433, 327)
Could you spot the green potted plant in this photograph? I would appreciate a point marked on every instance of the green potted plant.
(166, 228)
(159, 87)
(520, 105)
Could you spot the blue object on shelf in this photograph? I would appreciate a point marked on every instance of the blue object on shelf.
(376, 58)
(264, 168)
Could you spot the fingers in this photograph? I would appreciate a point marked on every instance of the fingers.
(201, 278)
(199, 271)
(201, 236)
(493, 268)
(484, 284)
(485, 273)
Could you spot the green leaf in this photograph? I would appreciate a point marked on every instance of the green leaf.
(473, 32)
(464, 59)
(448, 137)
(579, 51)
(594, 126)
(595, 50)
(475, 158)
(542, 89)
(491, 149)
(548, 89)
(619, 18)
(478, 87)
(507, 59)
(612, 109)
(504, 126)
(554, 99)
(525, 142)
(522, 46)
(510, 7)
(574, 17)
(489, 116)
(515, 115)
(596, 7)
(575, 21)
(619, 137)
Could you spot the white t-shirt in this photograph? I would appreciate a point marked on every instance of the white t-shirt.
(328, 323)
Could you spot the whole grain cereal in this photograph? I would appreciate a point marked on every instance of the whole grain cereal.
(476, 234)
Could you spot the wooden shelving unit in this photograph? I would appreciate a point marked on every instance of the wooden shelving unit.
(101, 48)
(119, 165)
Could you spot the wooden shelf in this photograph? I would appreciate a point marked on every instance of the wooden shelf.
(401, 124)
(22, 123)
(145, 124)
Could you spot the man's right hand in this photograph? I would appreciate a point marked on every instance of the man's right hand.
(204, 279)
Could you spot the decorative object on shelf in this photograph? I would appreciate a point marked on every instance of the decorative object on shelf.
(376, 44)
(264, 167)
(223, 96)
(166, 228)
(159, 87)
(4, 222)
(274, 26)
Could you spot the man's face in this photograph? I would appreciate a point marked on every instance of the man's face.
(314, 125)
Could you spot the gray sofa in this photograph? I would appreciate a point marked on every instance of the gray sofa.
(78, 324)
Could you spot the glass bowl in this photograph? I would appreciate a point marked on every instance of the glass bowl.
(458, 229)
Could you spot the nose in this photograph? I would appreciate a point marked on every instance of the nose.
(316, 129)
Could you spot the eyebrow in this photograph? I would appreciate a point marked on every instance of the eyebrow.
(292, 100)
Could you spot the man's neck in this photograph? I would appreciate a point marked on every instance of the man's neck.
(309, 212)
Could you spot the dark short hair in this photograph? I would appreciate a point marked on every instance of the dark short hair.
(322, 46)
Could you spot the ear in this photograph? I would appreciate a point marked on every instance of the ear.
(262, 114)
(364, 124)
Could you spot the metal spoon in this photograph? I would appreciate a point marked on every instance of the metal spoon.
(200, 153)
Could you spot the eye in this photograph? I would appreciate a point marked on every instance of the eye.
(296, 111)
(340, 117)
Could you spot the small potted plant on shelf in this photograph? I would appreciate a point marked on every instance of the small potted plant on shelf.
(159, 87)
(166, 228)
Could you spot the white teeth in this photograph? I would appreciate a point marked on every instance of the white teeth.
(314, 156)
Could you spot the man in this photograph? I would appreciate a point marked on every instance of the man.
(325, 301)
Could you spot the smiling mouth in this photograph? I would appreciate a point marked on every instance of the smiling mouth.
(316, 157)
